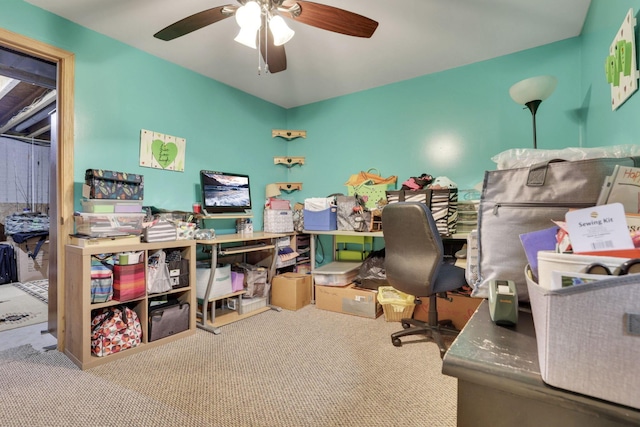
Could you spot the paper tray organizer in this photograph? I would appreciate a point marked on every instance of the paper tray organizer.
(588, 337)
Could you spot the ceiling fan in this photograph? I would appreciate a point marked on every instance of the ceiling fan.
(272, 50)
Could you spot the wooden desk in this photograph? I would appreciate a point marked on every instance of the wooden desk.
(499, 382)
(208, 321)
(312, 233)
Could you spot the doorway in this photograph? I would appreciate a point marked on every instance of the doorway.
(60, 169)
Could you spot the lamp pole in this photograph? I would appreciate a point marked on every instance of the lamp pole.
(533, 107)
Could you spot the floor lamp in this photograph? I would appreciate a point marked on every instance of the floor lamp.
(531, 92)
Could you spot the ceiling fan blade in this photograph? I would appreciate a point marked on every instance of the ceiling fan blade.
(274, 56)
(195, 22)
(334, 19)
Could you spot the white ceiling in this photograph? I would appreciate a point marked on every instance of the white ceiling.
(414, 38)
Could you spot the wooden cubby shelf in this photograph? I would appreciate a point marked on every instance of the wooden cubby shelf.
(80, 309)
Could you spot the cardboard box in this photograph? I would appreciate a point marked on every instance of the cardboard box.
(459, 310)
(28, 268)
(291, 291)
(349, 300)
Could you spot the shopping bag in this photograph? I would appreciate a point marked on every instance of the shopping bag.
(371, 186)
(158, 279)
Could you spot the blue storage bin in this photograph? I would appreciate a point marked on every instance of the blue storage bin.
(325, 220)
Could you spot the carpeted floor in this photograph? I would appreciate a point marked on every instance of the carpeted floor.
(292, 368)
(18, 308)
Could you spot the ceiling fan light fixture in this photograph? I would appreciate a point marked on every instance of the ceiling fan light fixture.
(249, 19)
(248, 15)
(247, 37)
(280, 30)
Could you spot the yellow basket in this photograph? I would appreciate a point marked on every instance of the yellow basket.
(395, 313)
(396, 305)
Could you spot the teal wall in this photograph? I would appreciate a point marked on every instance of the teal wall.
(449, 123)
(446, 124)
(120, 90)
(601, 125)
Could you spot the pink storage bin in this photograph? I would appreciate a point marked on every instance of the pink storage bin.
(237, 281)
(279, 204)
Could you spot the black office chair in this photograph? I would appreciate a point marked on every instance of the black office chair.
(414, 264)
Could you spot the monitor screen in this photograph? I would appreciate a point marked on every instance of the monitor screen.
(224, 192)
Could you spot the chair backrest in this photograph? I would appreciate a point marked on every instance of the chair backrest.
(413, 247)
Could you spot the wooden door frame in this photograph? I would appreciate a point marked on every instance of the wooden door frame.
(61, 170)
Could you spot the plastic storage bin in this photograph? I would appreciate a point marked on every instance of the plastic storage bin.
(395, 304)
(111, 206)
(107, 224)
(247, 305)
(336, 273)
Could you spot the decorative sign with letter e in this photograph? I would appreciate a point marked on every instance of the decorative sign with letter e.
(620, 66)
(162, 151)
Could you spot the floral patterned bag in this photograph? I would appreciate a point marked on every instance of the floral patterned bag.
(114, 329)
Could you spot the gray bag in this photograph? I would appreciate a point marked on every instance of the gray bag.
(168, 319)
(351, 215)
(521, 200)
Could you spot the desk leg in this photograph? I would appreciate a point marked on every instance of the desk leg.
(312, 265)
(272, 272)
(204, 324)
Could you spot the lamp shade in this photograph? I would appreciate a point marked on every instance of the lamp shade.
(248, 15)
(248, 18)
(247, 37)
(272, 190)
(280, 30)
(533, 89)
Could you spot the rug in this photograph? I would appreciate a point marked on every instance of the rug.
(18, 308)
(36, 288)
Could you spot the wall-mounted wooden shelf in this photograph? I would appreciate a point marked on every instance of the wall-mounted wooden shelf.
(289, 186)
(288, 134)
(288, 161)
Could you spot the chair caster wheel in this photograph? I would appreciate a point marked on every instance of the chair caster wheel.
(406, 325)
(396, 342)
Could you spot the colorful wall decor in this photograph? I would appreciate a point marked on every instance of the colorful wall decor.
(620, 65)
(162, 151)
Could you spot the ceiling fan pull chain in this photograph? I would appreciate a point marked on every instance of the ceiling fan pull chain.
(266, 43)
(258, 51)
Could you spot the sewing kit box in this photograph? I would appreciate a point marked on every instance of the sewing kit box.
(30, 268)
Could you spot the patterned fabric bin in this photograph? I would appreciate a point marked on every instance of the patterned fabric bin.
(104, 184)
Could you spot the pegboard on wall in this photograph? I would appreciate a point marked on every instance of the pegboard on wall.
(24, 173)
